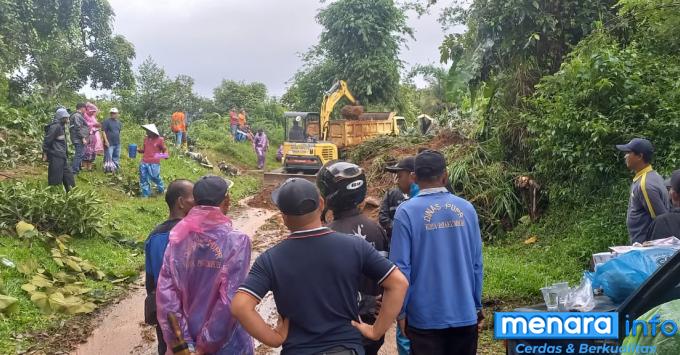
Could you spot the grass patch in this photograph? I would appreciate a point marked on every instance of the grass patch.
(567, 237)
(123, 214)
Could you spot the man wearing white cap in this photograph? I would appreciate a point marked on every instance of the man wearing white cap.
(112, 127)
(150, 169)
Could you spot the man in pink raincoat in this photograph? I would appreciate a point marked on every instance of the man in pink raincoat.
(204, 264)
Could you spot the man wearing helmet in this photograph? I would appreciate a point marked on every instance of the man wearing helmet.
(343, 186)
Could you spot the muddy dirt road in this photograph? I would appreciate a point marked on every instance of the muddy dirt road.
(121, 328)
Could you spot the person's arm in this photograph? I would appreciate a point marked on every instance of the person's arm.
(163, 148)
(168, 299)
(394, 284)
(384, 213)
(243, 308)
(50, 137)
(256, 286)
(478, 267)
(218, 329)
(654, 201)
(400, 255)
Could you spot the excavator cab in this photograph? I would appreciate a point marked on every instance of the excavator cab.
(303, 151)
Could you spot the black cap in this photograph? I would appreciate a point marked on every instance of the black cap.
(430, 163)
(406, 164)
(638, 146)
(675, 181)
(296, 197)
(211, 190)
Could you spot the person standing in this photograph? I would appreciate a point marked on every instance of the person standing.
(95, 145)
(178, 126)
(205, 262)
(55, 152)
(242, 119)
(433, 232)
(406, 188)
(668, 224)
(233, 121)
(180, 200)
(150, 167)
(314, 275)
(648, 193)
(343, 187)
(112, 128)
(80, 135)
(261, 145)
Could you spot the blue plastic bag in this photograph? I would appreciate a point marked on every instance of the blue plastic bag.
(621, 276)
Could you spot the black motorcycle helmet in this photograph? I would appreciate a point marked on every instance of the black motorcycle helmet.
(342, 185)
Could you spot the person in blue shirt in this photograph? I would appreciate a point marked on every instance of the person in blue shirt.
(180, 200)
(436, 243)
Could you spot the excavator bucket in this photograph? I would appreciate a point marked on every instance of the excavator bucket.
(276, 177)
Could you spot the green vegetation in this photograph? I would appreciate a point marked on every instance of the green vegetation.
(359, 43)
(111, 227)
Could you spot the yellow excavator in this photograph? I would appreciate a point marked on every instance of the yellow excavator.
(312, 139)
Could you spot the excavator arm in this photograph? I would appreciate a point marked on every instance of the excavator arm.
(330, 99)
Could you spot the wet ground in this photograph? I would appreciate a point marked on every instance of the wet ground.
(121, 328)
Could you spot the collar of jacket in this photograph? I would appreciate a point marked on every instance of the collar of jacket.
(642, 172)
(434, 190)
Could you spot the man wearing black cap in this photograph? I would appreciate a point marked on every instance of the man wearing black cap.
(668, 225)
(394, 197)
(436, 242)
(648, 194)
(205, 262)
(314, 275)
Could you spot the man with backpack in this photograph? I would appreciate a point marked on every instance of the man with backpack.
(55, 152)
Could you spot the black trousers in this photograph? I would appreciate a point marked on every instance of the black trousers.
(59, 173)
(451, 341)
(162, 347)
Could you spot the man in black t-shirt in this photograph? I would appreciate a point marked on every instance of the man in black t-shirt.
(343, 187)
(314, 275)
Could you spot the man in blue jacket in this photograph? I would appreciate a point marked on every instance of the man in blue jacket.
(436, 243)
(180, 200)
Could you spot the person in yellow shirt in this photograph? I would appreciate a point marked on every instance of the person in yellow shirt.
(178, 126)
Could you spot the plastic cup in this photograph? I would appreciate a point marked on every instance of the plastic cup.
(550, 298)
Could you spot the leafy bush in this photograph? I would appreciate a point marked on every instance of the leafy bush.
(50, 209)
(20, 137)
(604, 95)
(488, 185)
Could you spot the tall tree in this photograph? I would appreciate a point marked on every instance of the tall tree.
(232, 93)
(360, 43)
(58, 46)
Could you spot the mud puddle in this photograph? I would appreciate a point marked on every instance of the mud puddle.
(121, 328)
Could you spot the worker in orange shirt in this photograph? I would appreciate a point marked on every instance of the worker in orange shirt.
(178, 126)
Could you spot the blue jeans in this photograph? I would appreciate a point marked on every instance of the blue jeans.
(403, 344)
(234, 127)
(179, 138)
(150, 172)
(114, 153)
(78, 154)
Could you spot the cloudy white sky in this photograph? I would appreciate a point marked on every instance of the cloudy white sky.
(249, 40)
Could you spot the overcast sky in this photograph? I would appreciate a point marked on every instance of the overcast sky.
(249, 40)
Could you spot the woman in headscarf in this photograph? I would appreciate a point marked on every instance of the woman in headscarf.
(261, 145)
(95, 146)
